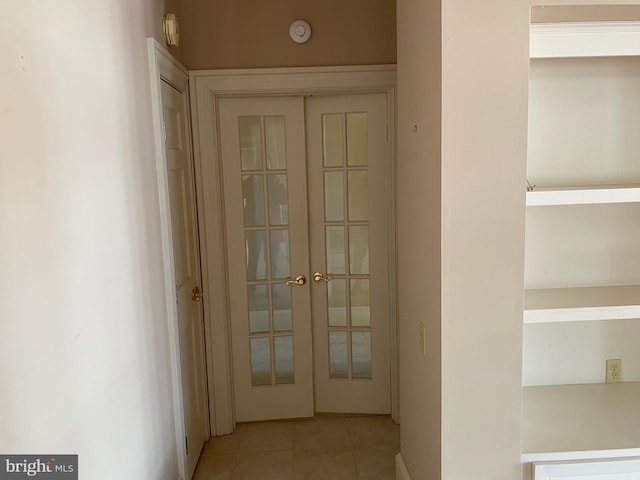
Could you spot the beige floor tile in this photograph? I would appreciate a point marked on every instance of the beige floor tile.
(218, 467)
(265, 437)
(324, 464)
(375, 461)
(224, 444)
(328, 447)
(379, 429)
(263, 466)
(322, 432)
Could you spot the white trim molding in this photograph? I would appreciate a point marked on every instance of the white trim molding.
(584, 39)
(163, 66)
(207, 87)
(623, 468)
(402, 473)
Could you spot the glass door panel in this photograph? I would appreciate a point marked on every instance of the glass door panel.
(348, 183)
(267, 243)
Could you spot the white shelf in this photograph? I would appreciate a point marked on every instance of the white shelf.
(580, 3)
(551, 305)
(584, 39)
(581, 421)
(583, 195)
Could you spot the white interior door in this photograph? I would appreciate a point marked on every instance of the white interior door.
(187, 270)
(264, 171)
(264, 161)
(349, 185)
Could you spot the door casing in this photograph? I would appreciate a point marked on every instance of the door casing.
(207, 86)
(164, 67)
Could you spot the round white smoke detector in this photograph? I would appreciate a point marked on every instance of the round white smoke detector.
(300, 31)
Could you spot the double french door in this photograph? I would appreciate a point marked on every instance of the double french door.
(306, 193)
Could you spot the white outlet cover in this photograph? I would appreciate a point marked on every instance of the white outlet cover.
(300, 31)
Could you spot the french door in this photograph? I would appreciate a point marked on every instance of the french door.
(306, 199)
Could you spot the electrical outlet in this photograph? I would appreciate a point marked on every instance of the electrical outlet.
(423, 338)
(614, 370)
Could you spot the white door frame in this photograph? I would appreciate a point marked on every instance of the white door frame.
(207, 86)
(163, 66)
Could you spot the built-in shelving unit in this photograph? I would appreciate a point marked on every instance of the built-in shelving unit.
(582, 272)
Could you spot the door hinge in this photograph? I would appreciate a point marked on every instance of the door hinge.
(164, 131)
(387, 133)
(186, 444)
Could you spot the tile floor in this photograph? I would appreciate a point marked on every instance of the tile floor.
(327, 447)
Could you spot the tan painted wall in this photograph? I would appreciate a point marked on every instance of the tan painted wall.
(585, 13)
(255, 33)
(419, 217)
(461, 234)
(485, 74)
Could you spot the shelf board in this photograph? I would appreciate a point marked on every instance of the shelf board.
(584, 39)
(580, 3)
(580, 421)
(551, 305)
(583, 195)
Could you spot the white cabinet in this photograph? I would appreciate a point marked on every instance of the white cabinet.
(582, 252)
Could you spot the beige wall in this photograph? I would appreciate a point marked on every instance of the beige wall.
(585, 13)
(485, 72)
(461, 234)
(255, 33)
(419, 217)
(84, 353)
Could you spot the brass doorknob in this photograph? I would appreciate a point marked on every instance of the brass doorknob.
(299, 281)
(321, 277)
(196, 294)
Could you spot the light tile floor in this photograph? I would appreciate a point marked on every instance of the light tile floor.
(327, 447)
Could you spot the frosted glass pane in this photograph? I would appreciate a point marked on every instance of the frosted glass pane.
(281, 301)
(332, 140)
(357, 148)
(360, 354)
(338, 355)
(250, 142)
(258, 308)
(360, 309)
(253, 198)
(337, 302)
(274, 128)
(280, 267)
(260, 361)
(278, 205)
(335, 250)
(359, 250)
(358, 185)
(283, 347)
(334, 196)
(256, 254)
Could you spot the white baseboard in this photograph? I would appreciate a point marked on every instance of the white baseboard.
(401, 469)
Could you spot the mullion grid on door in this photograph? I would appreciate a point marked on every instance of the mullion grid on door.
(267, 228)
(347, 276)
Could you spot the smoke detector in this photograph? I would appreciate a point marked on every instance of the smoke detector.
(300, 31)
